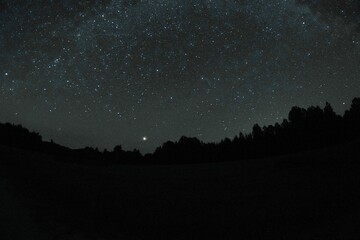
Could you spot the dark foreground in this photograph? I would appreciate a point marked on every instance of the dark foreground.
(312, 195)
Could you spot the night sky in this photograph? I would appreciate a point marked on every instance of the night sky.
(141, 72)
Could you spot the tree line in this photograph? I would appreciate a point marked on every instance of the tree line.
(304, 129)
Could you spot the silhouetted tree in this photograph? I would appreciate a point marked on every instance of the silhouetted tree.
(257, 132)
(352, 119)
(297, 115)
(118, 149)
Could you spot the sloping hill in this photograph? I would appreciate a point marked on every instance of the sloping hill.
(311, 195)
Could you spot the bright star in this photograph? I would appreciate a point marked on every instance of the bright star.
(144, 138)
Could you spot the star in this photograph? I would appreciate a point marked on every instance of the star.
(109, 71)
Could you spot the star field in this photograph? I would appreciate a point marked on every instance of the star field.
(139, 73)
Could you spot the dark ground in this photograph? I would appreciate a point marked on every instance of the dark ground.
(311, 195)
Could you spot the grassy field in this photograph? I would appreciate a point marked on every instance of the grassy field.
(310, 195)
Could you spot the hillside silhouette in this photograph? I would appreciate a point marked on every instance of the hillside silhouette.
(304, 129)
(298, 179)
(308, 195)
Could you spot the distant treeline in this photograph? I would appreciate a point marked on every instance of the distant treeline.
(304, 129)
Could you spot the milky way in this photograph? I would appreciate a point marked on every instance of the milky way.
(102, 73)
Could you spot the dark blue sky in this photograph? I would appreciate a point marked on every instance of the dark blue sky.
(102, 73)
